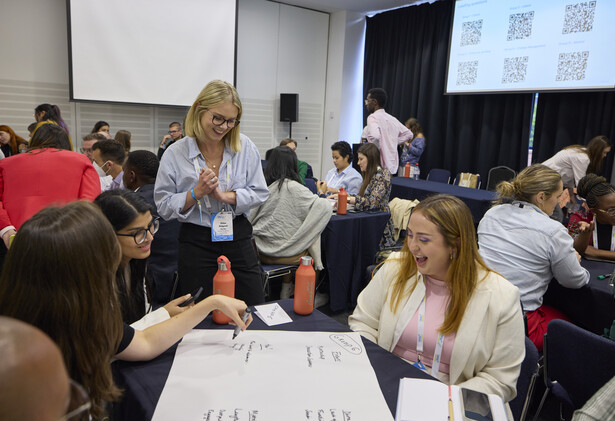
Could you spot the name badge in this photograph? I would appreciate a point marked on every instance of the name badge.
(222, 226)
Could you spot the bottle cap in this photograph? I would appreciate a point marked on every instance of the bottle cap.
(306, 260)
(223, 263)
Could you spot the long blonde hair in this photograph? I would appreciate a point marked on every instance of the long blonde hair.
(213, 94)
(455, 223)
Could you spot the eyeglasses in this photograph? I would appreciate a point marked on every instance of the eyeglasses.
(173, 131)
(610, 212)
(367, 100)
(219, 121)
(79, 403)
(141, 235)
(87, 150)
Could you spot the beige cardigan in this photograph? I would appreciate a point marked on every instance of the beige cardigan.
(489, 346)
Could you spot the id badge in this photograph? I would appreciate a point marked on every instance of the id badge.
(222, 226)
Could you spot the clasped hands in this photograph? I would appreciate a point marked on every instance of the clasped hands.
(208, 184)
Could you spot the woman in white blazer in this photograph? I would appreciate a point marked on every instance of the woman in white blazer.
(437, 305)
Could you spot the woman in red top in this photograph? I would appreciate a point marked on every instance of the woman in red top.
(48, 173)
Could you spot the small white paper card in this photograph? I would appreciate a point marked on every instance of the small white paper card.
(272, 314)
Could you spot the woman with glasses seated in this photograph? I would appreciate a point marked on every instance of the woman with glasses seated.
(209, 182)
(65, 261)
(518, 239)
(599, 212)
(131, 218)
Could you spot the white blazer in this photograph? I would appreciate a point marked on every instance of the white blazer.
(489, 346)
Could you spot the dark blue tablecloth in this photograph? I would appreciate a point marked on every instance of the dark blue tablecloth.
(591, 307)
(143, 382)
(349, 244)
(479, 201)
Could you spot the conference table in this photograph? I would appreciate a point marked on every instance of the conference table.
(143, 382)
(479, 201)
(349, 243)
(591, 307)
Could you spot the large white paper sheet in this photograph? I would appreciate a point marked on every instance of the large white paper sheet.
(271, 376)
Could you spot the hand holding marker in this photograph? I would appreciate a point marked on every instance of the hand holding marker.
(246, 314)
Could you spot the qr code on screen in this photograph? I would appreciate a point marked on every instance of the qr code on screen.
(471, 32)
(467, 71)
(579, 17)
(520, 25)
(572, 66)
(515, 69)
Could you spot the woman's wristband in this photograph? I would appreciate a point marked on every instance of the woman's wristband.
(193, 195)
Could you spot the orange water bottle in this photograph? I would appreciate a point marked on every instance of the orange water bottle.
(342, 200)
(407, 170)
(224, 284)
(305, 284)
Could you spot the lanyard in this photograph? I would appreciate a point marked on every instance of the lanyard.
(595, 234)
(197, 169)
(435, 366)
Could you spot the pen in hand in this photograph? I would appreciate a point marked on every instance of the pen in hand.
(246, 314)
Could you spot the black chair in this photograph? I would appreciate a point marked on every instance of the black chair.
(576, 364)
(499, 174)
(440, 175)
(526, 381)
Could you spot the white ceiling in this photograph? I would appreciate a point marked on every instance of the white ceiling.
(366, 7)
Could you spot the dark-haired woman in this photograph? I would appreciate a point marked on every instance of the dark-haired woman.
(375, 189)
(288, 225)
(124, 137)
(131, 218)
(10, 143)
(518, 239)
(49, 172)
(599, 212)
(47, 113)
(100, 126)
(343, 175)
(65, 260)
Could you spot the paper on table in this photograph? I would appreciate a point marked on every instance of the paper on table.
(272, 314)
(272, 376)
(427, 400)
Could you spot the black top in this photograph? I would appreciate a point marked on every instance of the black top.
(604, 236)
(127, 336)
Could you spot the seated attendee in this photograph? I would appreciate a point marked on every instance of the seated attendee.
(599, 407)
(88, 142)
(140, 171)
(175, 133)
(599, 211)
(413, 148)
(34, 383)
(48, 173)
(375, 189)
(518, 240)
(343, 175)
(287, 226)
(10, 143)
(437, 305)
(125, 138)
(108, 158)
(100, 126)
(89, 332)
(303, 169)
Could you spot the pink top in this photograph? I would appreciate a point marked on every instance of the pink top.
(436, 301)
(386, 132)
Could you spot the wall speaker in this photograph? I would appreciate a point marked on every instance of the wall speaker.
(289, 107)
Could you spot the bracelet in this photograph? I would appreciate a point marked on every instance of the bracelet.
(193, 195)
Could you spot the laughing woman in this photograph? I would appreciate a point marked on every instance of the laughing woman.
(438, 284)
(209, 181)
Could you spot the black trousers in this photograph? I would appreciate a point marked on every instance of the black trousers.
(197, 261)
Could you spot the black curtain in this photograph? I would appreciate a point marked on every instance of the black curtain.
(406, 54)
(564, 119)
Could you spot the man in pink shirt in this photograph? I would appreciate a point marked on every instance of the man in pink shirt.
(384, 130)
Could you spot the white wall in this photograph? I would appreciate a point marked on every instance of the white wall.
(281, 49)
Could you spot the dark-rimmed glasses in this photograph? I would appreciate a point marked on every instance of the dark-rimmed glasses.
(140, 235)
(610, 211)
(219, 121)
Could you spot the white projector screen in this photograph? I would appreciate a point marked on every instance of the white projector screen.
(156, 52)
(531, 46)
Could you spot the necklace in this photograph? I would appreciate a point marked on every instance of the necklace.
(209, 162)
